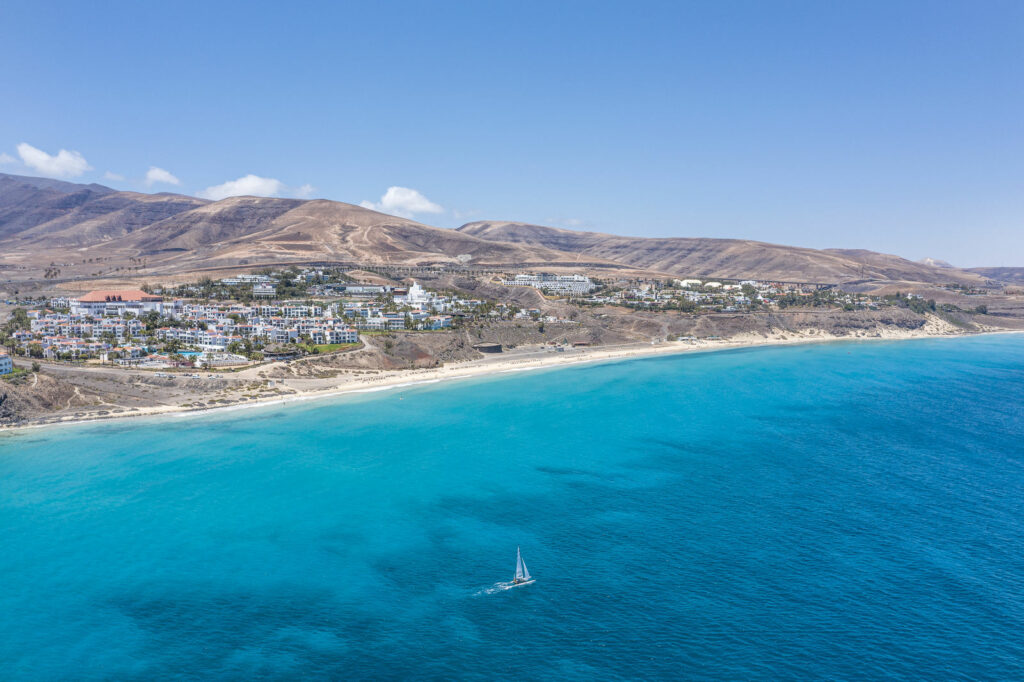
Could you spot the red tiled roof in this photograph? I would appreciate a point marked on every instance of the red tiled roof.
(101, 295)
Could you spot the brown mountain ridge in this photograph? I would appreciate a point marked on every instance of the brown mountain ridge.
(725, 258)
(48, 221)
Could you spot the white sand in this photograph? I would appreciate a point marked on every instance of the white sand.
(310, 389)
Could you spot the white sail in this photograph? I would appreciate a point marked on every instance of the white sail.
(521, 572)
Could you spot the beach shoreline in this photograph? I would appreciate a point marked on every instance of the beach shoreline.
(490, 367)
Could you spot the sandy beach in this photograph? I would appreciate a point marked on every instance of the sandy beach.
(517, 360)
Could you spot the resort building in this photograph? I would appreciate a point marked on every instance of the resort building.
(416, 297)
(245, 279)
(116, 302)
(573, 285)
(362, 290)
(264, 290)
(97, 324)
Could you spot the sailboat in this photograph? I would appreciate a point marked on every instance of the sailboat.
(522, 574)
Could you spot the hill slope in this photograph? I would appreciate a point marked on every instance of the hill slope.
(79, 226)
(86, 230)
(64, 214)
(266, 230)
(1007, 275)
(725, 258)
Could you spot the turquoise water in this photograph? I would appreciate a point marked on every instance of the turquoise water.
(836, 511)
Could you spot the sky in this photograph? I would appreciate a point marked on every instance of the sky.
(891, 126)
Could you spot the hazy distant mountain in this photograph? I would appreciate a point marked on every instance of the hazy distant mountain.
(77, 226)
(725, 258)
(1006, 275)
(65, 214)
(9, 183)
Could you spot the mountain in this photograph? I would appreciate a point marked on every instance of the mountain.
(267, 230)
(1005, 275)
(91, 230)
(64, 214)
(78, 226)
(723, 258)
(10, 183)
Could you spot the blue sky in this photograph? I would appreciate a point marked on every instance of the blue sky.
(893, 126)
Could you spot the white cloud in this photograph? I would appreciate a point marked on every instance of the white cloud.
(305, 192)
(6, 158)
(154, 175)
(249, 185)
(403, 201)
(64, 165)
(110, 175)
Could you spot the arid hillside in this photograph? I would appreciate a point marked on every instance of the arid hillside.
(265, 230)
(74, 227)
(73, 232)
(39, 212)
(725, 258)
(1006, 275)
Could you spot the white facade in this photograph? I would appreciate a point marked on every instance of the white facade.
(560, 284)
(264, 290)
(6, 366)
(245, 279)
(417, 295)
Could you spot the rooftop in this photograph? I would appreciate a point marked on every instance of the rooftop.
(102, 295)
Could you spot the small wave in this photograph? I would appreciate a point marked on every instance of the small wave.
(500, 587)
(494, 589)
(374, 389)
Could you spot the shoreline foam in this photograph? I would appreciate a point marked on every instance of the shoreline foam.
(485, 368)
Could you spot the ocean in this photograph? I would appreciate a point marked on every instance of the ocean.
(841, 511)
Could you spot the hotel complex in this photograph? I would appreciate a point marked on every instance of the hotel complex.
(126, 323)
(104, 303)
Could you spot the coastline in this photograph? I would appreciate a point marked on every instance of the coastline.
(394, 379)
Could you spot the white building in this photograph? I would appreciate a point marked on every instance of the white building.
(417, 296)
(264, 290)
(245, 279)
(6, 366)
(110, 302)
(334, 335)
(559, 284)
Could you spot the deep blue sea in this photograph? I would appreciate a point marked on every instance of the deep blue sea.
(840, 511)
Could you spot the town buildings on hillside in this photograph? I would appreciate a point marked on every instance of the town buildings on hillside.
(125, 322)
